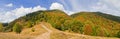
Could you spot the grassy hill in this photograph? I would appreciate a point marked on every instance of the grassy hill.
(88, 23)
(33, 18)
(44, 30)
(56, 18)
(98, 24)
(111, 17)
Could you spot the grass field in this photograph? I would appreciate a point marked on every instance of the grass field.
(46, 31)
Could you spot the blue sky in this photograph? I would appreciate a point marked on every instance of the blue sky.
(26, 3)
(13, 9)
(44, 3)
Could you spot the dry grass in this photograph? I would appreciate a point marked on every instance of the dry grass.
(14, 36)
(37, 30)
(42, 33)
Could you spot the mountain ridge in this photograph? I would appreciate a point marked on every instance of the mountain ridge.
(88, 23)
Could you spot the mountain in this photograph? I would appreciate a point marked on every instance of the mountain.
(52, 16)
(97, 23)
(87, 23)
(111, 17)
(56, 18)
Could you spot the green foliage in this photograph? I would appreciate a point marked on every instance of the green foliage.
(66, 24)
(17, 28)
(54, 17)
(107, 33)
(109, 22)
(76, 26)
(73, 23)
(1, 27)
(95, 30)
(118, 34)
(28, 25)
(111, 17)
(33, 29)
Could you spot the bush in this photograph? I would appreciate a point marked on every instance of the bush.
(29, 24)
(94, 30)
(77, 26)
(74, 25)
(118, 34)
(1, 27)
(33, 29)
(106, 33)
(17, 28)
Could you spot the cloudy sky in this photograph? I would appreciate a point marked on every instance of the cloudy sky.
(13, 9)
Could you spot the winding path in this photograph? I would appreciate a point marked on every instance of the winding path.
(44, 35)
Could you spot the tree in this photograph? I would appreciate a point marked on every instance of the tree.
(33, 29)
(17, 28)
(118, 34)
(1, 27)
(74, 26)
(29, 24)
(94, 30)
(77, 26)
(106, 33)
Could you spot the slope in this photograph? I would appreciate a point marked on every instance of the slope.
(98, 24)
(108, 16)
(51, 16)
(88, 23)
(56, 18)
(44, 30)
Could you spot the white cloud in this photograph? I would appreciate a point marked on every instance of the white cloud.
(107, 6)
(70, 12)
(56, 6)
(60, 7)
(38, 8)
(9, 5)
(114, 3)
(75, 5)
(13, 14)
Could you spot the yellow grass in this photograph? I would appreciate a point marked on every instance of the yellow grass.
(46, 31)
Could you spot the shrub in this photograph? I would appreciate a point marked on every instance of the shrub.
(33, 29)
(74, 25)
(94, 30)
(118, 34)
(77, 26)
(107, 33)
(1, 27)
(17, 28)
(29, 24)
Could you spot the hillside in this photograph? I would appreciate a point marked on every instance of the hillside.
(111, 17)
(98, 24)
(51, 16)
(56, 18)
(87, 23)
(44, 30)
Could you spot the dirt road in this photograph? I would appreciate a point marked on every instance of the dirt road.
(44, 35)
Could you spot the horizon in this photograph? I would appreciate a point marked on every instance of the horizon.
(11, 10)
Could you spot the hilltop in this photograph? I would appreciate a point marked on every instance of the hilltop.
(85, 23)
